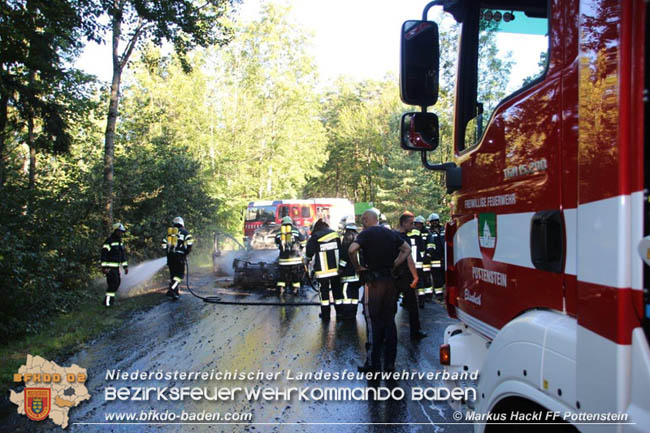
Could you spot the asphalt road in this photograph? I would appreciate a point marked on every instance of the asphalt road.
(193, 336)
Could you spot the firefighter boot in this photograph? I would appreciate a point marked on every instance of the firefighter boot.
(109, 299)
(174, 289)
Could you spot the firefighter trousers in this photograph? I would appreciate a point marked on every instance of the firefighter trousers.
(328, 284)
(113, 281)
(176, 264)
(421, 288)
(427, 282)
(410, 301)
(350, 291)
(438, 279)
(289, 276)
(380, 306)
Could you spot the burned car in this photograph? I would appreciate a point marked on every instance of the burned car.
(264, 237)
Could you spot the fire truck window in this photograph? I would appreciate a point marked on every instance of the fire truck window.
(260, 213)
(513, 48)
(284, 211)
(306, 212)
(295, 212)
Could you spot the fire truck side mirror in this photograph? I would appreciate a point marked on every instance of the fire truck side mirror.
(419, 63)
(419, 131)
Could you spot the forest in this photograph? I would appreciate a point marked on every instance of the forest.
(204, 113)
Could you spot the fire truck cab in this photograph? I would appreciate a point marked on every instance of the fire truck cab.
(549, 227)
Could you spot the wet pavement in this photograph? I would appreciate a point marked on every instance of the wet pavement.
(193, 336)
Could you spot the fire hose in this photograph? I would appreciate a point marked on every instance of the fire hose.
(217, 299)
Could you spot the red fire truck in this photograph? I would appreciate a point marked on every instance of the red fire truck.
(303, 212)
(550, 217)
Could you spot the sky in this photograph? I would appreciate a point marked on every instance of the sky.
(356, 38)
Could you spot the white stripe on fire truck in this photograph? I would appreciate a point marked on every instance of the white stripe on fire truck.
(570, 221)
(609, 233)
(466, 242)
(513, 239)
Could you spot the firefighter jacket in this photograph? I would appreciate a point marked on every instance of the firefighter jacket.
(113, 253)
(348, 273)
(290, 242)
(178, 242)
(325, 245)
(436, 249)
(417, 247)
(425, 234)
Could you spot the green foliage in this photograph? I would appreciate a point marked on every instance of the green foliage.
(47, 254)
(39, 39)
(186, 24)
(201, 132)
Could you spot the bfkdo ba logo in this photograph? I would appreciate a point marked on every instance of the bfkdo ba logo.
(38, 402)
(487, 233)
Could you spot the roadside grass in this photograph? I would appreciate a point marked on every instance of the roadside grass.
(67, 333)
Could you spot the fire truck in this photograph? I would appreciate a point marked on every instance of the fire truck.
(267, 215)
(550, 217)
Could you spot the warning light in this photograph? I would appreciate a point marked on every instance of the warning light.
(445, 354)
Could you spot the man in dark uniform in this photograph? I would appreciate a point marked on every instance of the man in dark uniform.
(177, 244)
(113, 256)
(437, 240)
(425, 276)
(383, 251)
(406, 283)
(325, 245)
(350, 283)
(289, 242)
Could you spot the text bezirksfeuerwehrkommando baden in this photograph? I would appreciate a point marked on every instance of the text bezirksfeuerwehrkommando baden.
(226, 391)
(288, 374)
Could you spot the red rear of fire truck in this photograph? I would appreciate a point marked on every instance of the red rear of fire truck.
(550, 221)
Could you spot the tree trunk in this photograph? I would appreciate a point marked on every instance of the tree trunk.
(111, 121)
(32, 152)
(4, 102)
(30, 141)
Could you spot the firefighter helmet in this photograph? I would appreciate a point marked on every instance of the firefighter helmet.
(118, 226)
(317, 225)
(352, 226)
(178, 220)
(419, 219)
(287, 220)
(433, 217)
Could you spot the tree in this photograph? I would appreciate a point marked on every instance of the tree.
(267, 138)
(39, 38)
(184, 23)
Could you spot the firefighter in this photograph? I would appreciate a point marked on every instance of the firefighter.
(404, 279)
(436, 247)
(383, 221)
(350, 283)
(425, 234)
(177, 244)
(113, 256)
(290, 242)
(325, 244)
(417, 252)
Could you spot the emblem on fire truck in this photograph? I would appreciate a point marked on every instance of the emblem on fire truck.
(487, 233)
